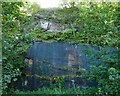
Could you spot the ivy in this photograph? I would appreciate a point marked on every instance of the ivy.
(14, 43)
(88, 23)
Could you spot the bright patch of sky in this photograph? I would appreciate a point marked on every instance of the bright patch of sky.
(47, 3)
(56, 3)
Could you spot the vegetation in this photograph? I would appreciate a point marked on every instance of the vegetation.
(94, 24)
(14, 43)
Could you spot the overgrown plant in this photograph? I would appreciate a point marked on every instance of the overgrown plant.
(105, 72)
(97, 25)
(14, 43)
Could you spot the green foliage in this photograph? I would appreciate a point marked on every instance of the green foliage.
(14, 43)
(11, 16)
(98, 19)
(51, 91)
(105, 73)
(31, 8)
(68, 16)
(93, 23)
(97, 24)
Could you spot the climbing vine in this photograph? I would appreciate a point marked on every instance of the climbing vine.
(94, 24)
(14, 43)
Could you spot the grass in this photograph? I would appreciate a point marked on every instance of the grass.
(52, 91)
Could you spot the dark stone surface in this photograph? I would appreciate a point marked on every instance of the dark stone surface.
(59, 59)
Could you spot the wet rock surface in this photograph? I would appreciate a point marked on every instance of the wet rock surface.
(51, 63)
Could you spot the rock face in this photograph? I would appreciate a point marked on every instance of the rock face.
(44, 24)
(47, 24)
(48, 61)
(55, 27)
